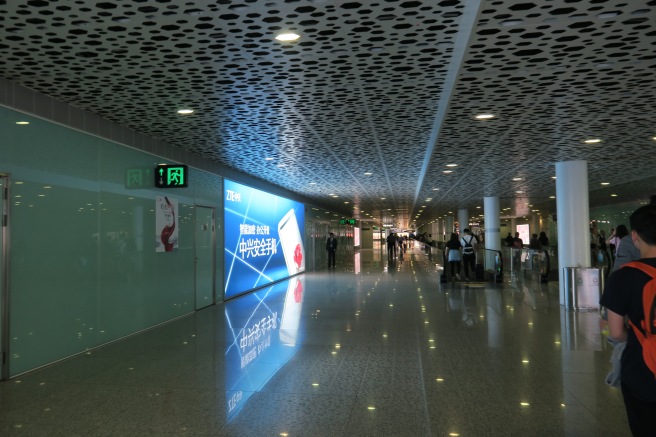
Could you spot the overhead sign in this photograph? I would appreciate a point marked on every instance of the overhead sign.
(171, 176)
(347, 221)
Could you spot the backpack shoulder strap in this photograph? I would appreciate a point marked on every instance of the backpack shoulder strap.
(646, 301)
(651, 271)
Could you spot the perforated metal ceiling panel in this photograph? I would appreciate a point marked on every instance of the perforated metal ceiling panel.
(384, 87)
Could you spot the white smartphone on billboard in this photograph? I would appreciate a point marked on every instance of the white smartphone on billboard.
(291, 243)
(291, 313)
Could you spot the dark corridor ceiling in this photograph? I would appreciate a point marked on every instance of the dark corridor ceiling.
(364, 113)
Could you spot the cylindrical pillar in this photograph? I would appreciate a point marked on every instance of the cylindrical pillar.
(449, 227)
(535, 224)
(492, 223)
(573, 211)
(463, 219)
(443, 229)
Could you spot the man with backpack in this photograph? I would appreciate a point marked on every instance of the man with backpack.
(626, 293)
(468, 242)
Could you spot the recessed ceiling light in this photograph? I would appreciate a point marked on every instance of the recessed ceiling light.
(517, 179)
(368, 173)
(382, 198)
(436, 189)
(552, 197)
(605, 183)
(22, 122)
(313, 183)
(282, 165)
(484, 116)
(592, 141)
(185, 111)
(553, 177)
(613, 195)
(519, 191)
(653, 138)
(452, 165)
(447, 171)
(284, 37)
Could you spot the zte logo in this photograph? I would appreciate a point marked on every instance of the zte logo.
(233, 196)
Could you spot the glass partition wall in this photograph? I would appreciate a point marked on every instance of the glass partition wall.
(83, 268)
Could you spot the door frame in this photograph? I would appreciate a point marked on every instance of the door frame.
(213, 244)
(4, 278)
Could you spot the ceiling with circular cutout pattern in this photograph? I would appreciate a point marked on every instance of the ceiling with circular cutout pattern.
(373, 100)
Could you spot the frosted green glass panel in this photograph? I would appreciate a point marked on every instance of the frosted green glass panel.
(204, 235)
(3, 285)
(84, 270)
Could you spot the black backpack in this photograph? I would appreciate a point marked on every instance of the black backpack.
(468, 249)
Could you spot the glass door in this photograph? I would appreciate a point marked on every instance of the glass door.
(205, 239)
(4, 283)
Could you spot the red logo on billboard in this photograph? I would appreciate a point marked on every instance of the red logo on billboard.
(298, 256)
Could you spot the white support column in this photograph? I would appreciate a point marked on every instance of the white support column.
(492, 223)
(463, 219)
(573, 211)
(443, 235)
(440, 230)
(535, 224)
(449, 228)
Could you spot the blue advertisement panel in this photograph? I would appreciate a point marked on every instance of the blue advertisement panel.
(263, 242)
(262, 335)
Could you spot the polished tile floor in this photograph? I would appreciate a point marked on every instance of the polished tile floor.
(373, 348)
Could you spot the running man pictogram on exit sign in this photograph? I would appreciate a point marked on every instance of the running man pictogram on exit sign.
(171, 176)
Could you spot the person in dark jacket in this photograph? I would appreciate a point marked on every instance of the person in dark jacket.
(331, 247)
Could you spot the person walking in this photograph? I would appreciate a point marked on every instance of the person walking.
(331, 247)
(625, 250)
(453, 256)
(391, 245)
(468, 242)
(623, 297)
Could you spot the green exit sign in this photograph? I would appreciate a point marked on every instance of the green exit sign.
(347, 221)
(171, 176)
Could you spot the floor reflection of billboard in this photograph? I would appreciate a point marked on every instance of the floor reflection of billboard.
(262, 337)
(263, 242)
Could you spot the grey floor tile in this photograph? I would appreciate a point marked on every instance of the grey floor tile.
(380, 353)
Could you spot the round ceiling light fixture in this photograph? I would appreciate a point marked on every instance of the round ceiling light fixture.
(286, 37)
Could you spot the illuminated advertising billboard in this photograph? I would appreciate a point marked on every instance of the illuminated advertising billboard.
(524, 234)
(263, 336)
(263, 238)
